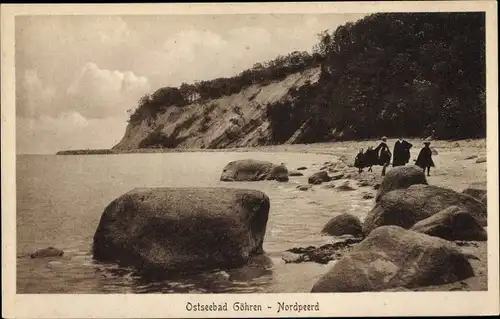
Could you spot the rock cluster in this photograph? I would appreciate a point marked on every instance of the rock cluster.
(411, 237)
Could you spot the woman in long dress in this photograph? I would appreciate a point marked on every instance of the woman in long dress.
(424, 159)
(401, 152)
(384, 154)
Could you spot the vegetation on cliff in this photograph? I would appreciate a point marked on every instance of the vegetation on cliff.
(261, 73)
(394, 74)
(409, 74)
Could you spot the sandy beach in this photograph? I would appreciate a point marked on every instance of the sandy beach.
(456, 169)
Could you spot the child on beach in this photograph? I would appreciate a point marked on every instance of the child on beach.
(424, 159)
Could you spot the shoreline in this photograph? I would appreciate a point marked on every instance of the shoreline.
(325, 148)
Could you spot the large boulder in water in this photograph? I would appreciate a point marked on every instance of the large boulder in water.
(405, 207)
(453, 223)
(393, 257)
(319, 177)
(401, 177)
(253, 170)
(183, 229)
(343, 224)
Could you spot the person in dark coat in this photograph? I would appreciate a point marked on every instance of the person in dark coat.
(359, 161)
(383, 154)
(401, 152)
(424, 159)
(371, 158)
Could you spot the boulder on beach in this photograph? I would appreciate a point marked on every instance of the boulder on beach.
(253, 170)
(343, 224)
(452, 223)
(329, 185)
(183, 230)
(347, 185)
(392, 257)
(336, 176)
(481, 159)
(47, 252)
(477, 190)
(279, 173)
(484, 200)
(295, 173)
(405, 207)
(470, 157)
(401, 177)
(367, 195)
(304, 187)
(319, 177)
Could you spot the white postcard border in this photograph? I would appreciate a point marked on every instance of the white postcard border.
(174, 305)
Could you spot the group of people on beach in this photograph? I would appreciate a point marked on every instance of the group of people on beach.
(381, 155)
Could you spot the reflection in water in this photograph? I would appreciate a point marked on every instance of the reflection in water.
(60, 200)
(108, 277)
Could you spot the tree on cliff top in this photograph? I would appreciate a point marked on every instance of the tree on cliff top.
(409, 74)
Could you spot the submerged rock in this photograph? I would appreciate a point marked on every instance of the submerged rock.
(392, 257)
(470, 157)
(295, 173)
(304, 187)
(301, 168)
(322, 254)
(481, 159)
(452, 223)
(401, 177)
(343, 224)
(177, 230)
(47, 252)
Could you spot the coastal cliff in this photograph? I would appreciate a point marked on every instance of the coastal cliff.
(236, 120)
(416, 78)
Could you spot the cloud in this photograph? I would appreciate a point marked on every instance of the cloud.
(47, 135)
(33, 97)
(90, 113)
(63, 98)
(99, 93)
(195, 55)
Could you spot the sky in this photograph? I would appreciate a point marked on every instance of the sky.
(76, 76)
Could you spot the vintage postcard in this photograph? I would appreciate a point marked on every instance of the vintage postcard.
(249, 160)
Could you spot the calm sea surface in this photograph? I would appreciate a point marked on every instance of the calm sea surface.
(60, 200)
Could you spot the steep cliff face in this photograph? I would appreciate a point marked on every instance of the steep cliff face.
(230, 121)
